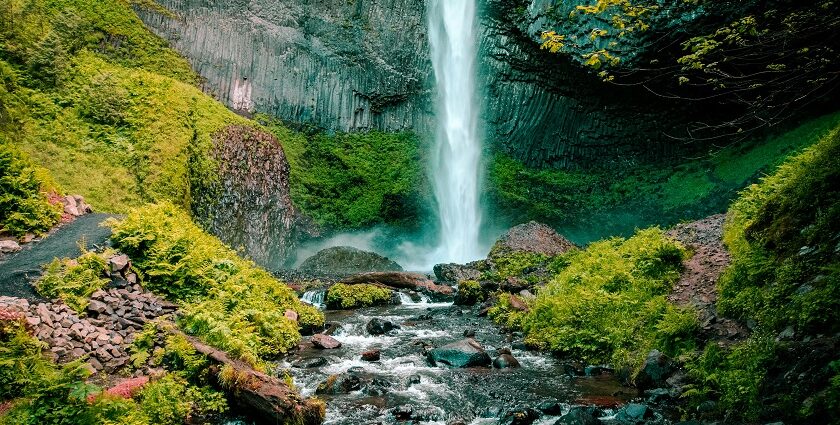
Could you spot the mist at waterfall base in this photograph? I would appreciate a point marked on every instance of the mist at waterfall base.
(455, 160)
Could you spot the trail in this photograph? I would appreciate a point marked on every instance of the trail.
(18, 270)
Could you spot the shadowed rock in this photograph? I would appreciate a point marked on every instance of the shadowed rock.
(531, 237)
(345, 261)
(465, 353)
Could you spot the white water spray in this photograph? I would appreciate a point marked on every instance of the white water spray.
(455, 161)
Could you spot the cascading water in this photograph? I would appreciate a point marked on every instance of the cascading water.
(456, 159)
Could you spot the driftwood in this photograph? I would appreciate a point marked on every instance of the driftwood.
(401, 280)
(269, 397)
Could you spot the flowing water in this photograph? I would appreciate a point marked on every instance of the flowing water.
(456, 159)
(402, 380)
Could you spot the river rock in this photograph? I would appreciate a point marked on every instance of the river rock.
(371, 355)
(325, 342)
(377, 326)
(404, 280)
(579, 415)
(342, 383)
(655, 371)
(465, 353)
(505, 361)
(310, 363)
(520, 417)
(633, 413)
(453, 272)
(9, 246)
(346, 261)
(531, 237)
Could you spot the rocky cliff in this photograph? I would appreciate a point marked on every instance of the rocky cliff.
(357, 65)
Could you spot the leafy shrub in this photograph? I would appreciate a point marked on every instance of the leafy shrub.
(608, 304)
(342, 296)
(227, 301)
(469, 292)
(24, 206)
(170, 400)
(505, 315)
(74, 280)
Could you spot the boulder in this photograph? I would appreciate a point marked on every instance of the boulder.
(520, 417)
(453, 272)
(377, 326)
(291, 315)
(310, 363)
(346, 261)
(506, 361)
(9, 246)
(325, 342)
(371, 355)
(655, 371)
(633, 413)
(531, 237)
(579, 415)
(118, 263)
(465, 353)
(343, 383)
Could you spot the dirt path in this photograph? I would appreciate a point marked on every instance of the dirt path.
(18, 270)
(697, 286)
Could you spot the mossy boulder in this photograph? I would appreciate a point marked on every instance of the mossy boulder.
(531, 237)
(343, 296)
(465, 353)
(345, 261)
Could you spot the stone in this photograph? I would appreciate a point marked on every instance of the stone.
(97, 307)
(9, 246)
(461, 354)
(291, 315)
(33, 321)
(377, 326)
(520, 417)
(579, 415)
(310, 363)
(469, 333)
(371, 355)
(505, 361)
(119, 263)
(516, 303)
(655, 371)
(455, 272)
(412, 380)
(70, 206)
(343, 383)
(531, 237)
(633, 413)
(345, 261)
(325, 342)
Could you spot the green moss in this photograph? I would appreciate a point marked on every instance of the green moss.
(74, 280)
(228, 302)
(607, 305)
(503, 313)
(469, 293)
(342, 296)
(353, 180)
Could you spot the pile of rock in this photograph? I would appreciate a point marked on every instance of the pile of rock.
(75, 206)
(114, 316)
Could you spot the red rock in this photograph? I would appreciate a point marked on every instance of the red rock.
(291, 315)
(325, 342)
(371, 355)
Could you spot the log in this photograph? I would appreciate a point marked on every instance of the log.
(269, 397)
(401, 280)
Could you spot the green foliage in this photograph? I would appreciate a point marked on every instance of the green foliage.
(782, 236)
(470, 292)
(505, 315)
(75, 280)
(227, 301)
(112, 114)
(170, 400)
(342, 296)
(608, 304)
(353, 180)
(24, 207)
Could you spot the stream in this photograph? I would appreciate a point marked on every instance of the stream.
(403, 386)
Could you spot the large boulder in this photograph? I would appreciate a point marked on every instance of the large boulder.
(452, 272)
(346, 261)
(465, 353)
(655, 371)
(377, 326)
(531, 237)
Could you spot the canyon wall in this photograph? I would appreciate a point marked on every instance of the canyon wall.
(364, 64)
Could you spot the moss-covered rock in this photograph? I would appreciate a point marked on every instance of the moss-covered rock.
(342, 296)
(345, 261)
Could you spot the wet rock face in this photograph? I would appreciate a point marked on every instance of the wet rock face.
(340, 261)
(249, 206)
(365, 64)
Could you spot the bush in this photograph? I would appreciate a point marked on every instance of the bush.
(24, 207)
(608, 304)
(469, 293)
(228, 302)
(75, 280)
(170, 400)
(342, 296)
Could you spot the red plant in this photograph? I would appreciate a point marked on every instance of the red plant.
(124, 389)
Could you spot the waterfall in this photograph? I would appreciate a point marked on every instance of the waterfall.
(457, 153)
(315, 298)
